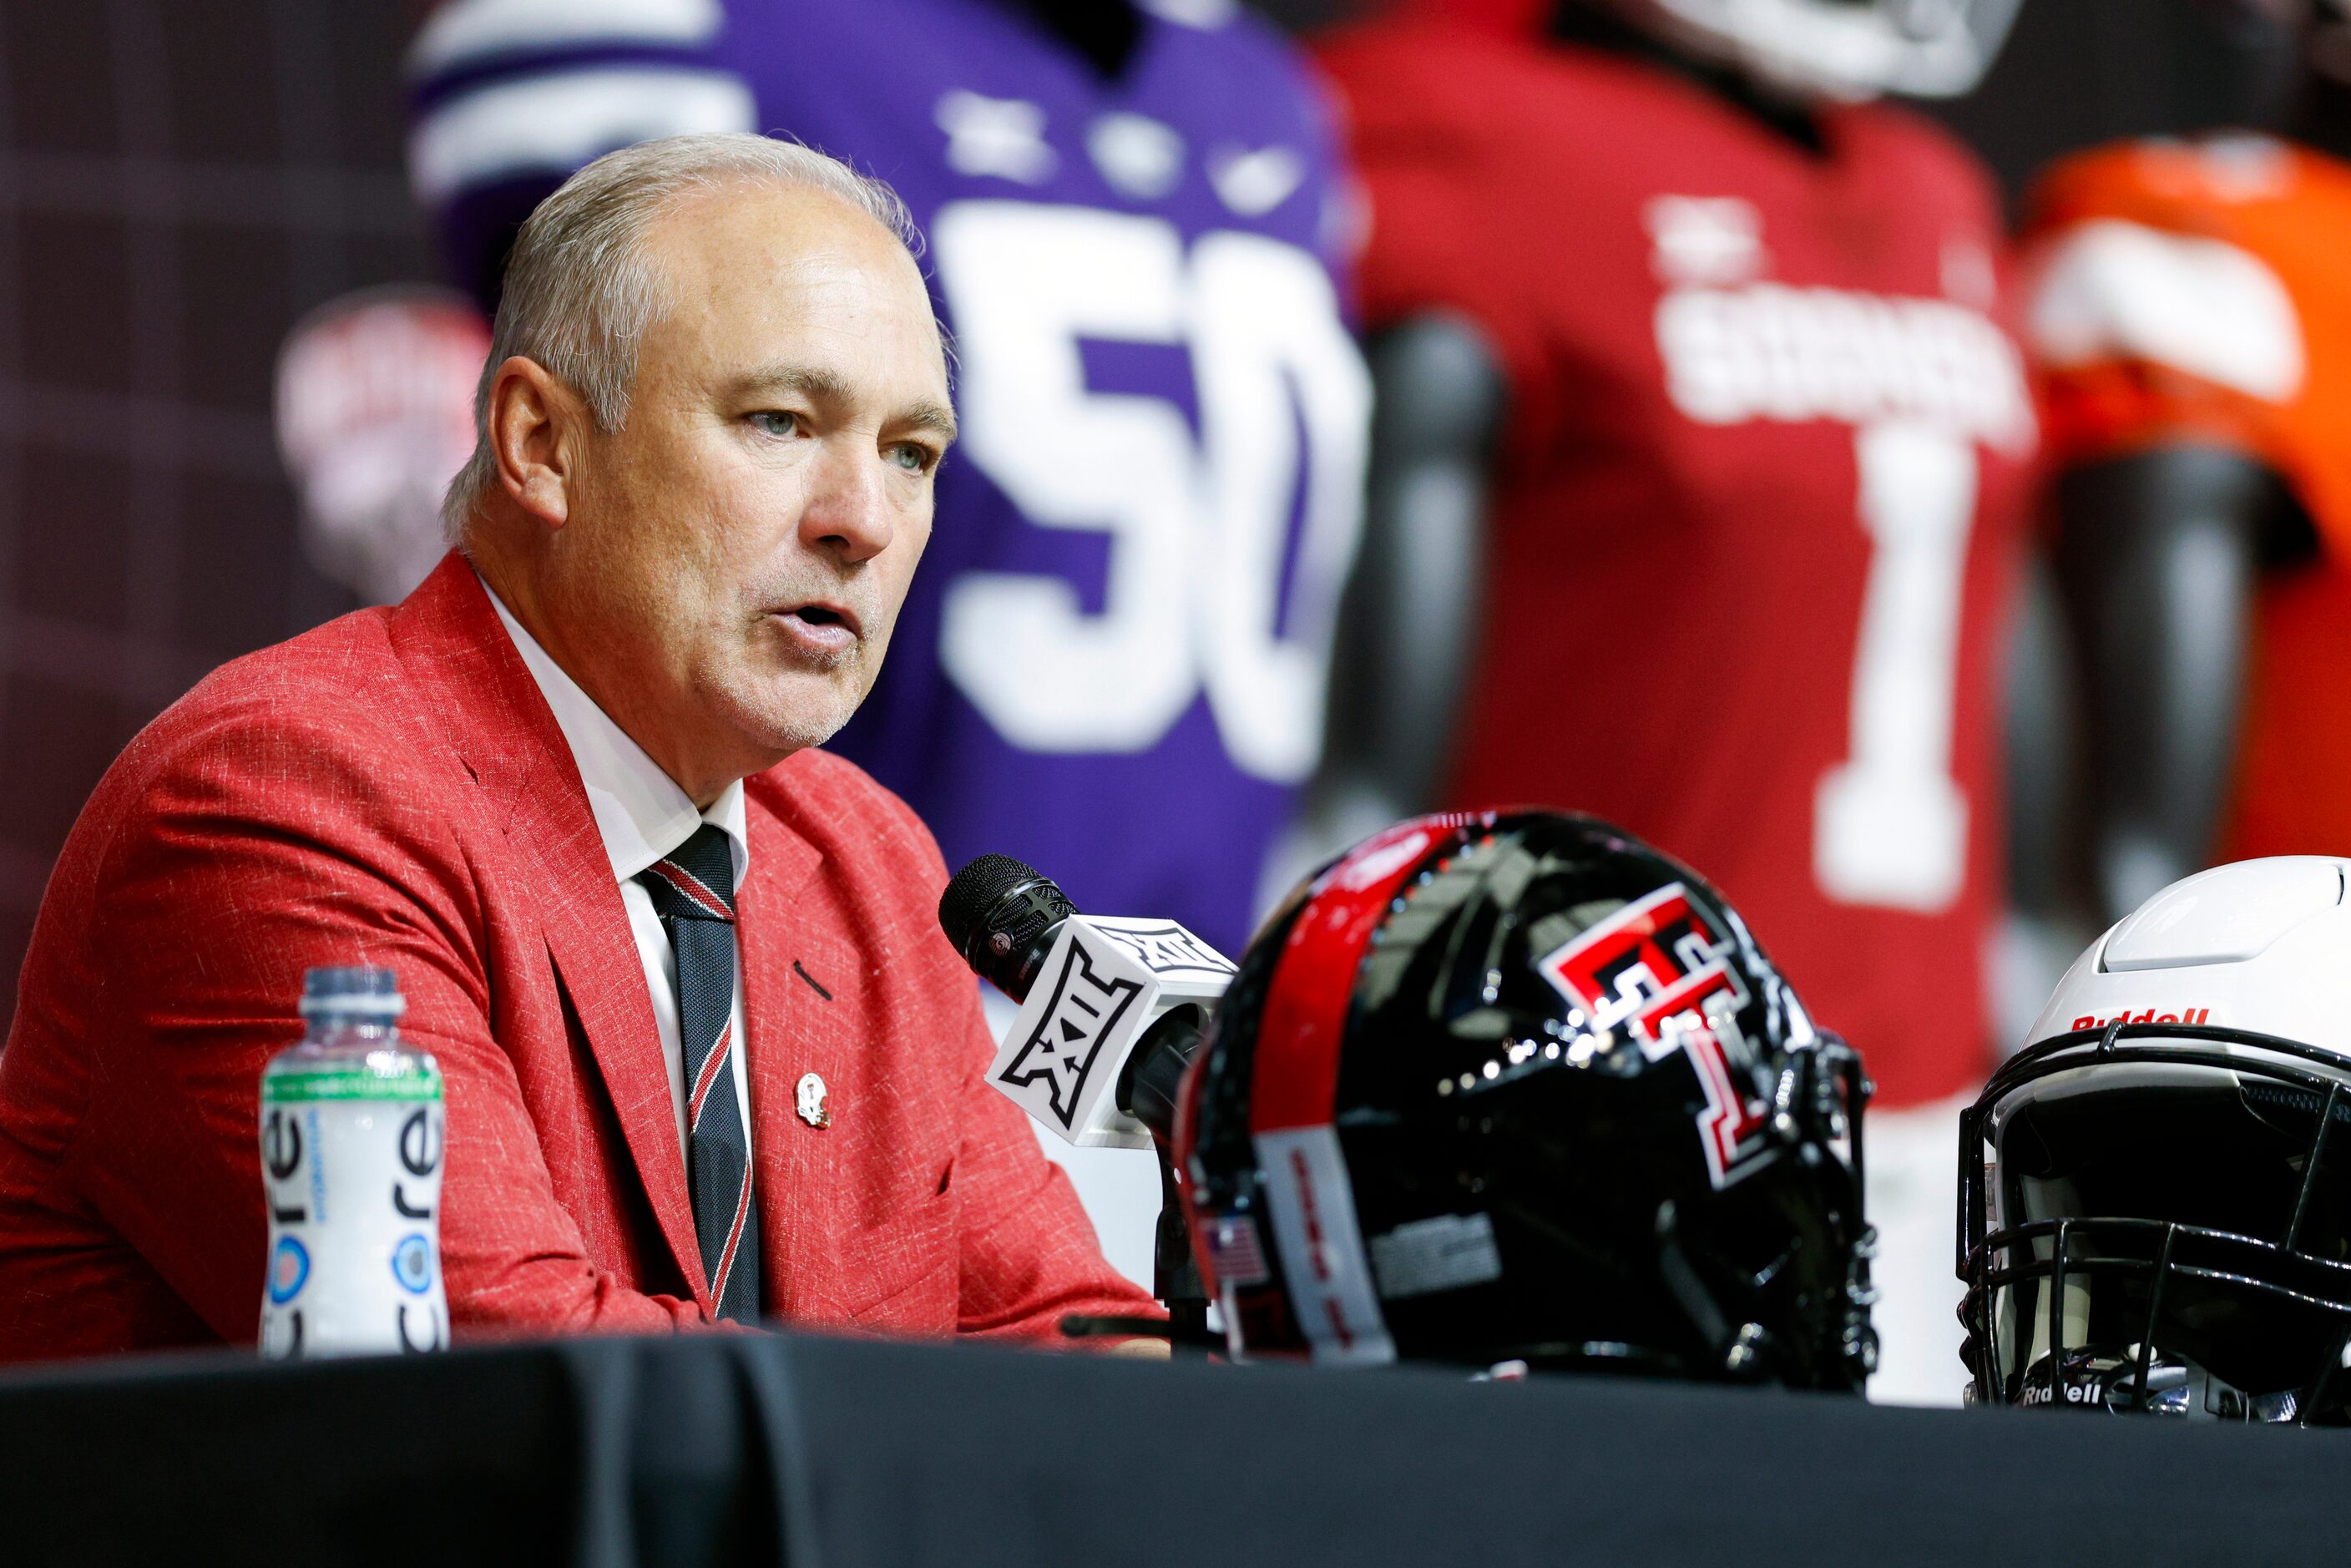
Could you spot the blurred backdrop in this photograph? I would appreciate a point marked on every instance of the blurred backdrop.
(182, 187)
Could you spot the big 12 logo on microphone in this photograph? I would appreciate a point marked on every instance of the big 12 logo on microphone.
(1104, 983)
(1085, 1006)
(1660, 970)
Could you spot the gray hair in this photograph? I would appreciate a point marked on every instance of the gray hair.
(579, 289)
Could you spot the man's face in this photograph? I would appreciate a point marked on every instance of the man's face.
(736, 555)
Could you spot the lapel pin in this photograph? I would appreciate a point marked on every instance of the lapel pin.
(812, 1108)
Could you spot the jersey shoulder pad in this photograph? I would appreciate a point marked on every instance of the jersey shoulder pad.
(2133, 258)
(1248, 59)
(1419, 73)
(529, 90)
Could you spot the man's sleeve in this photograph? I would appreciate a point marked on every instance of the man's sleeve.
(508, 97)
(251, 854)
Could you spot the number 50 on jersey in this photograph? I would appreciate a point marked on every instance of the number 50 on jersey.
(1197, 526)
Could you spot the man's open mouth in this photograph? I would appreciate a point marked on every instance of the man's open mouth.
(822, 623)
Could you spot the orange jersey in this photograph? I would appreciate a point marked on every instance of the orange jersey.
(2201, 292)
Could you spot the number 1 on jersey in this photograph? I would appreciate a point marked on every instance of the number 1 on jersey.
(1890, 822)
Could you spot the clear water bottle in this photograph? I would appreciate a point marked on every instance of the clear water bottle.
(352, 1137)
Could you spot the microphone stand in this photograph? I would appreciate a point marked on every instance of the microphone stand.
(1175, 1272)
(1002, 917)
(1175, 1279)
(1147, 1091)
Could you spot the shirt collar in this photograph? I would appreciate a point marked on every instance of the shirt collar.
(640, 811)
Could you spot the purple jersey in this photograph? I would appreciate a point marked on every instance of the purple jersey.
(1112, 661)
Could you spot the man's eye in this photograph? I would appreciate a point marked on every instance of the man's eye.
(910, 457)
(776, 421)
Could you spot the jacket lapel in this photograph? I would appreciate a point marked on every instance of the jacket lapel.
(792, 1031)
(595, 954)
(450, 636)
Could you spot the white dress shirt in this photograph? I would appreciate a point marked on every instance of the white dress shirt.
(642, 815)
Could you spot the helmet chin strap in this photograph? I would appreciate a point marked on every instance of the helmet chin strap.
(2175, 1386)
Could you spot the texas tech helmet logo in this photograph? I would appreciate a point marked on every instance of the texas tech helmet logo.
(1660, 970)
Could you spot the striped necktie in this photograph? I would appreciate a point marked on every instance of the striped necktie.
(693, 891)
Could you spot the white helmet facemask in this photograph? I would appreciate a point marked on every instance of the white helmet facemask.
(2155, 1209)
(1846, 50)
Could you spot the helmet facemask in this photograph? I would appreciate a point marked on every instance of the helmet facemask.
(2164, 1216)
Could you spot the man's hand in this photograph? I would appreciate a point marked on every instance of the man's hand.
(1142, 1349)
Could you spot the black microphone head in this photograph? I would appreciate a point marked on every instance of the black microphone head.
(1002, 915)
(972, 891)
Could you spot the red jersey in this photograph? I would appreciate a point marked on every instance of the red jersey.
(2201, 292)
(1753, 516)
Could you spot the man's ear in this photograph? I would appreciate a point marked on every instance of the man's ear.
(535, 424)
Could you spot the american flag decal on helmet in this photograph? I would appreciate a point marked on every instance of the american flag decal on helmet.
(1236, 1256)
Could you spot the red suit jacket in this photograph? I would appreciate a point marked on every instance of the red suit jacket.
(391, 788)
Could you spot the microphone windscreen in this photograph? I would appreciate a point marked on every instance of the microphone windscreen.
(972, 891)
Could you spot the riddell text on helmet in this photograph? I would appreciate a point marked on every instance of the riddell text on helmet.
(2185, 1015)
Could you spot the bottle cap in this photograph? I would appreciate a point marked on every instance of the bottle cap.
(356, 992)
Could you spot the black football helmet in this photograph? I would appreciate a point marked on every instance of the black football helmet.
(1516, 1088)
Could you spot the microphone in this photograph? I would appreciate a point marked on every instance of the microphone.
(1111, 1009)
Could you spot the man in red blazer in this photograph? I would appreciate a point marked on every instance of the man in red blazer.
(707, 432)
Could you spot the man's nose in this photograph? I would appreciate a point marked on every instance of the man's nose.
(851, 513)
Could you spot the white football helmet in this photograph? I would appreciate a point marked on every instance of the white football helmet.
(1848, 49)
(2155, 1209)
